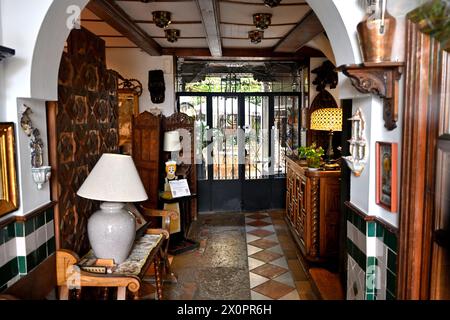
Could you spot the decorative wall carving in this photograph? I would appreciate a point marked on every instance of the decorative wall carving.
(86, 126)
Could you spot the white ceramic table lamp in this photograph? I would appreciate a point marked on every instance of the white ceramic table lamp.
(111, 230)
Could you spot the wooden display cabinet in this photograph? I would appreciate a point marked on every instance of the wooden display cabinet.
(313, 211)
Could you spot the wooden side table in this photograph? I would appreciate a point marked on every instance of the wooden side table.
(179, 242)
(127, 275)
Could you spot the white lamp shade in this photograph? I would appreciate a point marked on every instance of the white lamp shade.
(172, 141)
(114, 179)
(327, 119)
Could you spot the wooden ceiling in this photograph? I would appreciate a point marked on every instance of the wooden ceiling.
(208, 27)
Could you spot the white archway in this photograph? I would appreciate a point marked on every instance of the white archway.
(50, 45)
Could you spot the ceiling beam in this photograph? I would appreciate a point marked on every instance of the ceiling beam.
(243, 54)
(209, 10)
(306, 30)
(117, 18)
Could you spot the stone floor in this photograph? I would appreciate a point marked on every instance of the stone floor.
(242, 256)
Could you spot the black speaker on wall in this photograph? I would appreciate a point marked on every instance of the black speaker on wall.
(156, 86)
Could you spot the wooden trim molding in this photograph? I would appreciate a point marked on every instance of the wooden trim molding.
(423, 96)
(27, 216)
(370, 218)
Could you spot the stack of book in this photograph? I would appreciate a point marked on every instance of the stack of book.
(97, 265)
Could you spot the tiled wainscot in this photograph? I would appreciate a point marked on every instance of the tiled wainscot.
(372, 259)
(24, 245)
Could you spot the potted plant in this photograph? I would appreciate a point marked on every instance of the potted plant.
(313, 155)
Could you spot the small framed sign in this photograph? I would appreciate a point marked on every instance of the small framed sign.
(387, 175)
(179, 188)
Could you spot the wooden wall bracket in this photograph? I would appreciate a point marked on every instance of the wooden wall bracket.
(6, 52)
(381, 79)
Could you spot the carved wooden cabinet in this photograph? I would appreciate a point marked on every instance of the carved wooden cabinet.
(313, 210)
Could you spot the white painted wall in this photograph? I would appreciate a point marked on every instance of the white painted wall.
(135, 63)
(37, 31)
(322, 43)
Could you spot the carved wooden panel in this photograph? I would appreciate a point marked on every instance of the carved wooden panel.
(85, 125)
(329, 216)
(179, 121)
(147, 138)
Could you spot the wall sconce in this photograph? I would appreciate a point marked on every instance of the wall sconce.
(162, 18)
(359, 152)
(262, 20)
(172, 35)
(255, 36)
(41, 174)
(272, 3)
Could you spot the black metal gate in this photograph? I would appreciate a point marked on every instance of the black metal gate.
(241, 143)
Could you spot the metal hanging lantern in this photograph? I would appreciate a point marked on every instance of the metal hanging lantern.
(255, 36)
(272, 3)
(172, 35)
(162, 18)
(262, 20)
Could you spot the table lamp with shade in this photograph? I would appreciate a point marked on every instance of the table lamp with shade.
(111, 230)
(327, 119)
(171, 144)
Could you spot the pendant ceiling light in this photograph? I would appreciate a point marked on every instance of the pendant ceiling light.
(172, 35)
(262, 20)
(255, 36)
(162, 18)
(272, 3)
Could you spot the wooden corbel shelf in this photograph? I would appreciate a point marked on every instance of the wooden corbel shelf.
(6, 53)
(381, 79)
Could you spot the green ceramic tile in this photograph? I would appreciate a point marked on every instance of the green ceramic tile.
(370, 296)
(392, 261)
(371, 229)
(11, 231)
(390, 240)
(41, 253)
(391, 280)
(39, 221)
(389, 296)
(2, 240)
(8, 271)
(372, 261)
(20, 229)
(5, 274)
(22, 265)
(380, 231)
(32, 261)
(51, 246)
(29, 226)
(49, 215)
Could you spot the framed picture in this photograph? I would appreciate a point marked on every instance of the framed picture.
(128, 108)
(387, 175)
(9, 195)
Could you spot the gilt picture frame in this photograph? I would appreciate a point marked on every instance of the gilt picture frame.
(387, 175)
(128, 108)
(9, 195)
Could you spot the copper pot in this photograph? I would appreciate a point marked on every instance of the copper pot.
(375, 38)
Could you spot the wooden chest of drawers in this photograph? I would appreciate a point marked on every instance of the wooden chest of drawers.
(313, 210)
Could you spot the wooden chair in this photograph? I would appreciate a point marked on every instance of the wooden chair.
(166, 216)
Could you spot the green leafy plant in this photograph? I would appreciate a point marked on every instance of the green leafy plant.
(312, 154)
